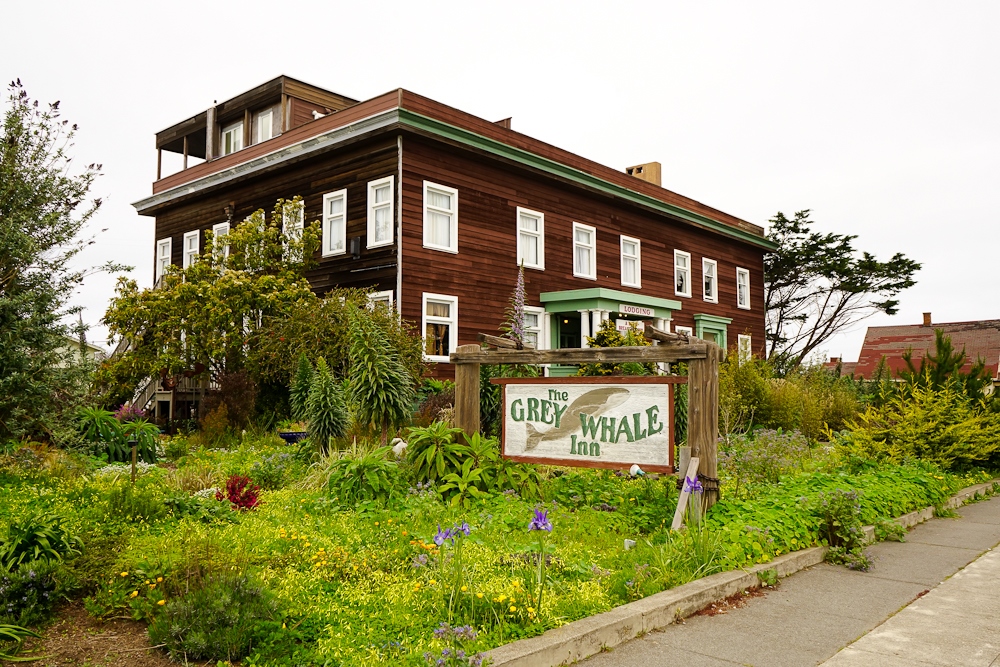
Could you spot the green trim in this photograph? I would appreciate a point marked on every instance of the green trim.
(715, 325)
(600, 298)
(448, 131)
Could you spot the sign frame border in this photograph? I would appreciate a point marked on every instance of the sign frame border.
(668, 380)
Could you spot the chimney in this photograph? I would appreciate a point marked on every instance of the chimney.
(927, 319)
(834, 360)
(648, 172)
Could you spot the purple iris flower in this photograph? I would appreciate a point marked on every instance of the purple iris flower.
(692, 485)
(541, 521)
(464, 528)
(443, 535)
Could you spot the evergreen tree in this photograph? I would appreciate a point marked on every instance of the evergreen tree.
(325, 407)
(381, 389)
(301, 384)
(943, 366)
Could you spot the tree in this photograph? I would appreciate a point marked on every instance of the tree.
(816, 285)
(209, 315)
(944, 367)
(44, 206)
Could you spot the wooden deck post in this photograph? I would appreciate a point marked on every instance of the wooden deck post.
(703, 419)
(467, 392)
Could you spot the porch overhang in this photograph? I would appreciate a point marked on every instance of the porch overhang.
(613, 301)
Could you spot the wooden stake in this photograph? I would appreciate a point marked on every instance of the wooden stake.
(134, 450)
(682, 501)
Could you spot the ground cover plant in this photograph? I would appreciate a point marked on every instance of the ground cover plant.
(358, 558)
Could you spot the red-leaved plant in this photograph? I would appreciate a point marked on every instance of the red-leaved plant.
(241, 492)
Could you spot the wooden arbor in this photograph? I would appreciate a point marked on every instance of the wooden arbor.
(703, 359)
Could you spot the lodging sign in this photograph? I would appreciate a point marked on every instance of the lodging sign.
(593, 422)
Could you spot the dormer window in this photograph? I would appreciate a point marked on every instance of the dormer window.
(265, 126)
(232, 138)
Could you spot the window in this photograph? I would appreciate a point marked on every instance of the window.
(219, 244)
(384, 298)
(744, 348)
(335, 223)
(533, 327)
(440, 326)
(684, 331)
(191, 247)
(292, 221)
(530, 239)
(709, 272)
(265, 126)
(743, 288)
(380, 227)
(682, 273)
(440, 217)
(584, 251)
(164, 248)
(232, 138)
(631, 267)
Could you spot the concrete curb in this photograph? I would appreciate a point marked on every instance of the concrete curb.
(589, 636)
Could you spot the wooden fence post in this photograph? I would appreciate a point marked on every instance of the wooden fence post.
(703, 419)
(467, 393)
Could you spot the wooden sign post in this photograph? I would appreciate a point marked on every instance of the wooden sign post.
(703, 384)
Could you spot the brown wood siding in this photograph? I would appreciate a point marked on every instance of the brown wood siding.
(318, 96)
(302, 112)
(351, 169)
(483, 273)
(325, 124)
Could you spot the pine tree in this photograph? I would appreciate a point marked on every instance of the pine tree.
(299, 391)
(325, 407)
(380, 388)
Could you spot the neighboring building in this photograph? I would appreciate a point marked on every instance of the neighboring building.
(72, 345)
(434, 209)
(981, 340)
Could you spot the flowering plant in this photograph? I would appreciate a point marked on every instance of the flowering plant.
(455, 653)
(127, 413)
(540, 523)
(514, 326)
(241, 493)
(453, 535)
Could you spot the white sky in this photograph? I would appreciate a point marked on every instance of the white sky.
(880, 117)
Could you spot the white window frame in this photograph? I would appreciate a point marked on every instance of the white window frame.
(740, 301)
(218, 231)
(391, 204)
(451, 320)
(191, 254)
(293, 219)
(328, 240)
(539, 234)
(236, 130)
(160, 267)
(592, 275)
(678, 271)
(452, 216)
(637, 258)
(687, 331)
(744, 348)
(258, 131)
(538, 329)
(712, 264)
(384, 296)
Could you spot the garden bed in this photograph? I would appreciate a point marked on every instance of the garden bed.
(366, 584)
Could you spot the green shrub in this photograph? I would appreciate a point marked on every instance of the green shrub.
(145, 434)
(761, 456)
(325, 407)
(28, 593)
(133, 503)
(35, 536)
(176, 448)
(434, 452)
(369, 477)
(221, 620)
(273, 472)
(941, 426)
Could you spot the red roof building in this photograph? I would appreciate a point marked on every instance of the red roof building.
(981, 340)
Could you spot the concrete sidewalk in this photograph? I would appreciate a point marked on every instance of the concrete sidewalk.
(814, 614)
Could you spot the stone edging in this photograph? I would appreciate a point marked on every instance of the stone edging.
(589, 636)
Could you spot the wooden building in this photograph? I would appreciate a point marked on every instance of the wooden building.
(434, 209)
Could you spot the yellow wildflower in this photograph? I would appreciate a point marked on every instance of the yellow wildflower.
(124, 574)
(479, 595)
(465, 588)
(134, 594)
(159, 580)
(531, 610)
(513, 608)
(432, 582)
(376, 523)
(162, 602)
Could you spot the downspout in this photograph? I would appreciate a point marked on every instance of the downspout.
(399, 216)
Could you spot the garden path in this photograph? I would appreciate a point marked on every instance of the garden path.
(815, 613)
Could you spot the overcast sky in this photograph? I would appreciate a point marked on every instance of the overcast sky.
(881, 117)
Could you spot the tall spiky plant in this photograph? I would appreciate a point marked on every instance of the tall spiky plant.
(299, 391)
(380, 388)
(325, 407)
(514, 326)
